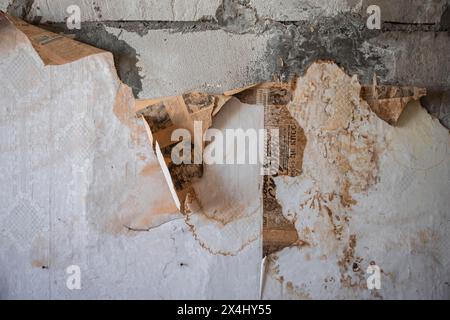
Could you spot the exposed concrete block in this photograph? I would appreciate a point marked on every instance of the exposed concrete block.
(405, 11)
(409, 11)
(295, 10)
(103, 10)
(215, 61)
(212, 61)
(419, 58)
(402, 11)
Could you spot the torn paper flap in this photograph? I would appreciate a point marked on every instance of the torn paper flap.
(53, 48)
(270, 93)
(178, 176)
(141, 104)
(234, 92)
(163, 163)
(164, 116)
(388, 102)
(181, 111)
(167, 175)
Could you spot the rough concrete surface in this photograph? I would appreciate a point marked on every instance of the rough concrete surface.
(195, 61)
(410, 47)
(403, 11)
(416, 11)
(100, 10)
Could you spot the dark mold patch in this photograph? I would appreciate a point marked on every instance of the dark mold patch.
(125, 56)
(295, 46)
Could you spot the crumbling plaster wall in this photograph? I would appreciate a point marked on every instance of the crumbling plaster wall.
(167, 47)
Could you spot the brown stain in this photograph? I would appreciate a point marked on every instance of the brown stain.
(346, 198)
(141, 156)
(342, 139)
(132, 217)
(38, 263)
(145, 221)
(298, 292)
(221, 220)
(336, 216)
(352, 273)
(428, 235)
(206, 247)
(351, 151)
(130, 214)
(124, 111)
(336, 223)
(292, 291)
(150, 169)
(223, 215)
(348, 254)
(40, 251)
(337, 124)
(423, 240)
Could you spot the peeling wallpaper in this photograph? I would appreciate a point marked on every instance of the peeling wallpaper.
(81, 185)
